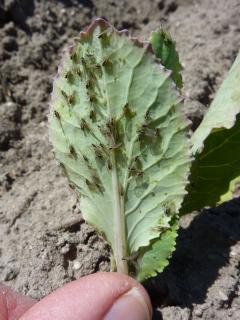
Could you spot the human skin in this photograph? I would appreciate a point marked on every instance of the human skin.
(101, 296)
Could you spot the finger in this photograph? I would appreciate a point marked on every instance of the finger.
(99, 296)
(13, 304)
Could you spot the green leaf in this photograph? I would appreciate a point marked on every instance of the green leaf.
(165, 49)
(157, 255)
(223, 110)
(231, 191)
(117, 130)
(216, 146)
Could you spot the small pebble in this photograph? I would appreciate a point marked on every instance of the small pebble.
(223, 296)
(198, 312)
(76, 265)
(65, 249)
(11, 274)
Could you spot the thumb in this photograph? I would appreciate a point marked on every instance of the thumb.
(100, 296)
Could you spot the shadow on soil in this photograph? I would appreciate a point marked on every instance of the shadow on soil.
(203, 248)
(17, 12)
(84, 3)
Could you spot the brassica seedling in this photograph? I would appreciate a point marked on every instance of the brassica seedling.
(118, 131)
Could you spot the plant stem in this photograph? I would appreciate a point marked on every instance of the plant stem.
(120, 250)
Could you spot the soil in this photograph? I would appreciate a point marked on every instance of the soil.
(44, 242)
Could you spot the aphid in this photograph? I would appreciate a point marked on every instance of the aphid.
(146, 131)
(115, 146)
(71, 186)
(100, 187)
(157, 229)
(83, 62)
(57, 115)
(122, 60)
(128, 112)
(168, 211)
(135, 162)
(96, 181)
(64, 95)
(89, 184)
(98, 152)
(92, 97)
(85, 158)
(147, 114)
(83, 125)
(104, 33)
(99, 155)
(111, 124)
(132, 257)
(135, 172)
(93, 185)
(92, 73)
(63, 169)
(142, 129)
(140, 173)
(152, 133)
(121, 191)
(78, 71)
(109, 164)
(92, 115)
(71, 99)
(113, 132)
(96, 66)
(74, 56)
(103, 149)
(106, 62)
(169, 207)
(69, 76)
(135, 159)
(157, 132)
(90, 56)
(105, 131)
(101, 34)
(72, 151)
(88, 84)
(90, 60)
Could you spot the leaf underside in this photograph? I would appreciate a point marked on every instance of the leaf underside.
(118, 133)
(216, 145)
(158, 253)
(165, 49)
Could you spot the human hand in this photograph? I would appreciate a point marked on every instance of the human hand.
(100, 296)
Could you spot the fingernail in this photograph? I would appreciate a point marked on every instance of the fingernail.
(130, 306)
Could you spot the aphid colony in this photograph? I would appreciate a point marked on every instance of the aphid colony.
(88, 71)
